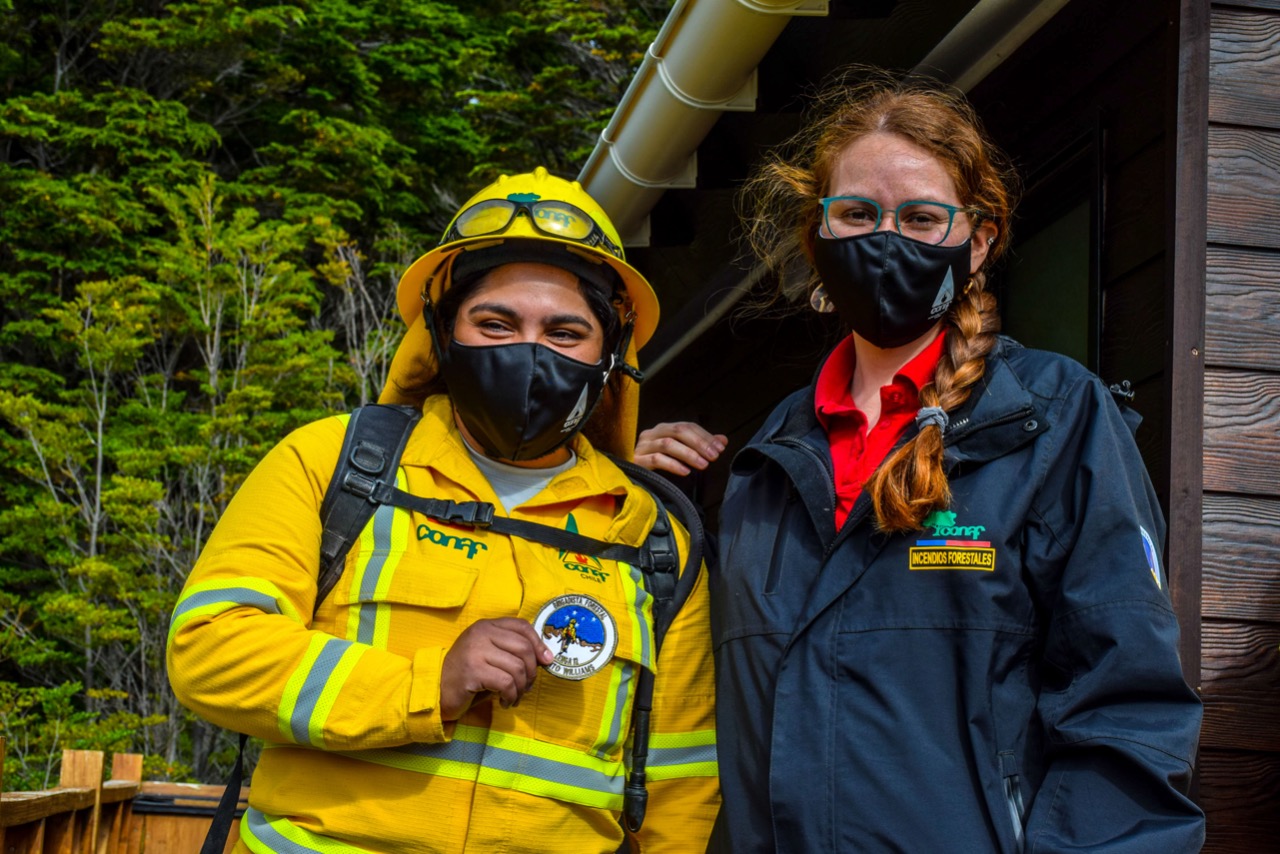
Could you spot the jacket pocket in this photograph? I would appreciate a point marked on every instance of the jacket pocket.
(399, 603)
(441, 585)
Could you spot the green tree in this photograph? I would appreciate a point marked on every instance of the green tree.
(208, 205)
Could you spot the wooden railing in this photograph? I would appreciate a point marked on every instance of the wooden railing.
(122, 815)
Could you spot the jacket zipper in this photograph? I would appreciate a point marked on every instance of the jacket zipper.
(1013, 798)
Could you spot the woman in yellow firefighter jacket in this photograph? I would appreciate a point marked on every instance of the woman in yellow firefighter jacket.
(460, 689)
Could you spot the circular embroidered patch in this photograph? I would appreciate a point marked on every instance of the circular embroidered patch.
(579, 632)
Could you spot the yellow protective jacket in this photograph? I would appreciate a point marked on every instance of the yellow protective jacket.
(357, 757)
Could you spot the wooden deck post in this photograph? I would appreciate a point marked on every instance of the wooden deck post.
(82, 769)
(124, 785)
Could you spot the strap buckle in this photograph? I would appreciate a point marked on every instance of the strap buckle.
(477, 514)
(359, 484)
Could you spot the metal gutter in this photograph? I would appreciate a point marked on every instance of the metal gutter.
(702, 63)
(986, 37)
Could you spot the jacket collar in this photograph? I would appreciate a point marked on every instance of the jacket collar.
(993, 421)
(436, 444)
(1000, 415)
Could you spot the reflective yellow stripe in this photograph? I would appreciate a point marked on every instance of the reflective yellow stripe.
(614, 723)
(682, 754)
(382, 544)
(265, 834)
(329, 694)
(313, 688)
(401, 531)
(513, 762)
(293, 688)
(640, 615)
(211, 598)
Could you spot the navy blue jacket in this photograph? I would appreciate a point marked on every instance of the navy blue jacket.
(1006, 680)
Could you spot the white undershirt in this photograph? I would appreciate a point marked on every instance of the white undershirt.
(515, 485)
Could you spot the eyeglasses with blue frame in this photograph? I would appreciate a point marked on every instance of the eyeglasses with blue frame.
(918, 219)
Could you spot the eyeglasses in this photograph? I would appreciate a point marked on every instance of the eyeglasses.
(928, 222)
(553, 218)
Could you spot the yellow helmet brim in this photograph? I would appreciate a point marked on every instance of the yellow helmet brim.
(428, 277)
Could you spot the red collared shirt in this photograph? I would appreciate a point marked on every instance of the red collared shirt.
(856, 451)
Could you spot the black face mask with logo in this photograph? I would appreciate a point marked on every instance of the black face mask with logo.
(521, 401)
(888, 288)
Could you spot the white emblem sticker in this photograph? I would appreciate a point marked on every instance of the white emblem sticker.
(579, 410)
(946, 295)
(1153, 556)
(580, 634)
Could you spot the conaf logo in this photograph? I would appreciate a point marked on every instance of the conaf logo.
(943, 523)
(946, 294)
(579, 410)
(440, 538)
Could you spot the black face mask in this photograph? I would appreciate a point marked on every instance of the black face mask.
(521, 401)
(888, 288)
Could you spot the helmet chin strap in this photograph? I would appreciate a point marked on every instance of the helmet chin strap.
(429, 318)
(620, 352)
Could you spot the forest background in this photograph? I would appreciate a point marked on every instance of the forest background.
(204, 209)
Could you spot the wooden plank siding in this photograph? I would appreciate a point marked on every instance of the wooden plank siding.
(1240, 743)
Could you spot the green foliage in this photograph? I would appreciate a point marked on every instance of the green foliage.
(39, 723)
(207, 207)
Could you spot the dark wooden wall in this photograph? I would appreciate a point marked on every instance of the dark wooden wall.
(1240, 630)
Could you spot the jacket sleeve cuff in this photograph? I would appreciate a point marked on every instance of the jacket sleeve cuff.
(424, 721)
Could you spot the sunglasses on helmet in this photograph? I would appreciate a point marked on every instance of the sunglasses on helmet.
(552, 218)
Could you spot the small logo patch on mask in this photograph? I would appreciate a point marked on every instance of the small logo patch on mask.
(579, 410)
(947, 550)
(580, 634)
(946, 294)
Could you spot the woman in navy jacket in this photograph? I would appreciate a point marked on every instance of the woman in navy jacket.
(940, 616)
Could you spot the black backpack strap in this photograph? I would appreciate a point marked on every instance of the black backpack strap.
(480, 514)
(662, 540)
(670, 592)
(215, 840)
(371, 449)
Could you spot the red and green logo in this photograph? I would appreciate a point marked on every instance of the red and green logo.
(586, 565)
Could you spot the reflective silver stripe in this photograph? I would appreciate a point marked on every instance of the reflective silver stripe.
(663, 756)
(616, 732)
(233, 596)
(469, 760)
(309, 695)
(382, 526)
(642, 625)
(262, 830)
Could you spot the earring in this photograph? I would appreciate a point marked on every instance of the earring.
(820, 302)
(991, 241)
